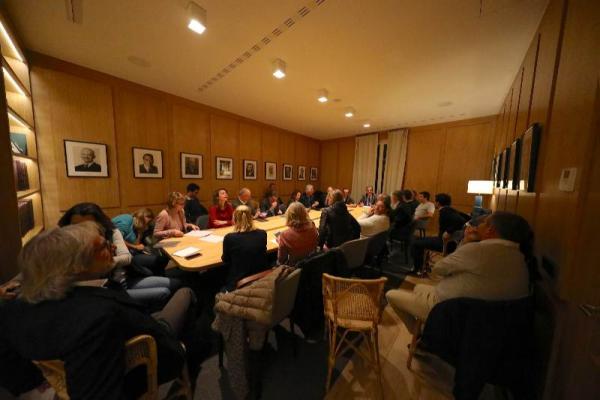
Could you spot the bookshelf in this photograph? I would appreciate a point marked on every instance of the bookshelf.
(22, 209)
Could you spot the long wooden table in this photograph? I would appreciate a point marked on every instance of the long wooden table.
(212, 252)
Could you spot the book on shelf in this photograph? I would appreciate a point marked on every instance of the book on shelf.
(26, 218)
(21, 175)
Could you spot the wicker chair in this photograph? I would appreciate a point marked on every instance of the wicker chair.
(353, 305)
(140, 350)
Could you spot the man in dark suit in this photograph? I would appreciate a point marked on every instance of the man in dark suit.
(451, 221)
(369, 198)
(148, 166)
(87, 156)
(309, 198)
(337, 226)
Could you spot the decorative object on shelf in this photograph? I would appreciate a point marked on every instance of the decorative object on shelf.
(147, 163)
(86, 159)
(287, 172)
(498, 170)
(224, 168)
(26, 219)
(479, 188)
(314, 173)
(301, 173)
(513, 169)
(21, 175)
(530, 144)
(249, 169)
(270, 171)
(18, 143)
(505, 167)
(191, 165)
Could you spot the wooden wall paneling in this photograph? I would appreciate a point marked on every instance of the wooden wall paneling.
(68, 107)
(507, 118)
(517, 86)
(141, 121)
(270, 152)
(314, 160)
(250, 143)
(529, 71)
(329, 163)
(301, 158)
(190, 133)
(21, 105)
(225, 143)
(423, 159)
(512, 200)
(345, 164)
(287, 156)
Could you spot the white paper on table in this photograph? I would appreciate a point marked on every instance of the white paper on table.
(186, 252)
(212, 239)
(198, 234)
(274, 241)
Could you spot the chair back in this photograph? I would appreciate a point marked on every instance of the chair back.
(353, 299)
(202, 222)
(355, 252)
(376, 245)
(140, 350)
(284, 297)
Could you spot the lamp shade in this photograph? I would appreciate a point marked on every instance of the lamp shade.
(480, 187)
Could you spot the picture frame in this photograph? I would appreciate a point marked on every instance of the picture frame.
(530, 143)
(288, 172)
(270, 171)
(498, 178)
(506, 167)
(86, 159)
(250, 169)
(191, 166)
(513, 169)
(18, 143)
(301, 173)
(147, 163)
(224, 168)
(314, 173)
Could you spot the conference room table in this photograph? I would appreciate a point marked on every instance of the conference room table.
(211, 245)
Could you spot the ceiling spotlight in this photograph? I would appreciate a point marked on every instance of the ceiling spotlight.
(197, 18)
(323, 96)
(367, 125)
(279, 69)
(349, 113)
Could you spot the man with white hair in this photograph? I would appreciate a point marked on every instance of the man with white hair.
(89, 165)
(245, 199)
(309, 199)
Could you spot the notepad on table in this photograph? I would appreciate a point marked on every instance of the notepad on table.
(212, 239)
(186, 252)
(198, 234)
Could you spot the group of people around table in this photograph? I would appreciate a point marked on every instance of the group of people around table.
(50, 311)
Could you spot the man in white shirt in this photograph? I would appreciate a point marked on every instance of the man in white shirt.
(426, 208)
(371, 225)
(492, 268)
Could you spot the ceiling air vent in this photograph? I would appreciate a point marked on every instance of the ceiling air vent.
(303, 12)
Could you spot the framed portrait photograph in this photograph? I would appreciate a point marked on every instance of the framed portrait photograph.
(287, 172)
(506, 167)
(147, 163)
(249, 169)
(301, 173)
(530, 143)
(191, 165)
(224, 168)
(314, 173)
(513, 169)
(498, 170)
(86, 159)
(270, 171)
(18, 142)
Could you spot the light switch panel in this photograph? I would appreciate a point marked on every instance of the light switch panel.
(567, 179)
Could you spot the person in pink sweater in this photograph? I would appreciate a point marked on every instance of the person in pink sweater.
(171, 222)
(300, 239)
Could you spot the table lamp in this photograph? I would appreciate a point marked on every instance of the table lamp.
(480, 188)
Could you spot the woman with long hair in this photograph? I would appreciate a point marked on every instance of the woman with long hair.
(300, 239)
(220, 214)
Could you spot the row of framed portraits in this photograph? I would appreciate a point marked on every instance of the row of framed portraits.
(515, 167)
(88, 159)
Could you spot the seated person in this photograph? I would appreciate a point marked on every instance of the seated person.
(270, 206)
(84, 326)
(245, 199)
(221, 213)
(244, 249)
(272, 191)
(426, 208)
(369, 198)
(193, 208)
(309, 198)
(450, 221)
(401, 218)
(295, 196)
(337, 226)
(171, 221)
(378, 222)
(134, 228)
(347, 199)
(488, 266)
(300, 239)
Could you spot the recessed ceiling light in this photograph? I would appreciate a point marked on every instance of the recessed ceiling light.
(323, 96)
(279, 69)
(197, 16)
(349, 113)
(367, 125)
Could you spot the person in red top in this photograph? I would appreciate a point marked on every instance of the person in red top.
(300, 239)
(221, 213)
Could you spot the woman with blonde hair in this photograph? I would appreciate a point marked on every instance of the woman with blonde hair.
(245, 249)
(86, 326)
(220, 214)
(171, 222)
(300, 239)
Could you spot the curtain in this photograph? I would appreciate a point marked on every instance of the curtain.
(396, 160)
(365, 163)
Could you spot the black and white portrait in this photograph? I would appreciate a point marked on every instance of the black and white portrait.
(191, 165)
(224, 168)
(301, 173)
(270, 171)
(147, 163)
(314, 173)
(287, 172)
(249, 169)
(86, 159)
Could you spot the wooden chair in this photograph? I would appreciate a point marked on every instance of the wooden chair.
(353, 305)
(140, 350)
